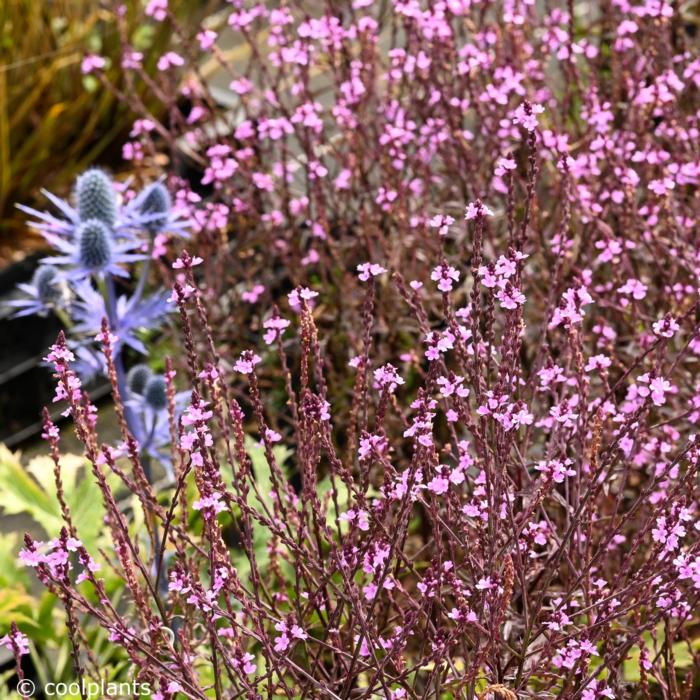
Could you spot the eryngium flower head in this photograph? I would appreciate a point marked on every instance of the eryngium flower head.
(152, 210)
(156, 393)
(129, 316)
(95, 245)
(46, 291)
(155, 207)
(96, 198)
(137, 379)
(48, 283)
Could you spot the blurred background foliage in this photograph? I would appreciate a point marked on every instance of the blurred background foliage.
(55, 121)
(28, 490)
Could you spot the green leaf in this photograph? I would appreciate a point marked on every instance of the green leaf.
(681, 653)
(33, 491)
(19, 493)
(11, 575)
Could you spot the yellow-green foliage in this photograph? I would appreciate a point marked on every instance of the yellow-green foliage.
(29, 491)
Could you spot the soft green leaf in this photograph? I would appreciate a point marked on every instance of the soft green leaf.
(19, 493)
(33, 491)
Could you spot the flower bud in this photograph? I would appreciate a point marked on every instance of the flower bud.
(96, 197)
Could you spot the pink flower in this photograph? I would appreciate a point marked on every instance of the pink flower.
(557, 469)
(170, 59)
(300, 293)
(634, 288)
(211, 504)
(281, 643)
(442, 223)
(16, 641)
(388, 378)
(484, 584)
(185, 262)
(242, 86)
(298, 633)
(207, 39)
(445, 276)
(157, 9)
(438, 485)
(654, 387)
(477, 209)
(570, 310)
(510, 297)
(274, 327)
(252, 295)
(597, 362)
(526, 115)
(60, 356)
(91, 63)
(246, 362)
(132, 59)
(659, 388)
(448, 387)
(661, 187)
(666, 327)
(368, 270)
(31, 557)
(505, 165)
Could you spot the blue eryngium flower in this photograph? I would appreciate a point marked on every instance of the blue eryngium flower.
(155, 393)
(96, 239)
(96, 198)
(48, 290)
(93, 251)
(137, 378)
(149, 403)
(157, 201)
(89, 363)
(130, 315)
(152, 210)
(95, 242)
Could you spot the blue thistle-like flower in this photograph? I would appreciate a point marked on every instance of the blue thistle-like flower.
(95, 241)
(46, 291)
(89, 363)
(156, 393)
(152, 425)
(96, 198)
(152, 210)
(131, 314)
(137, 378)
(156, 203)
(47, 282)
(92, 251)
